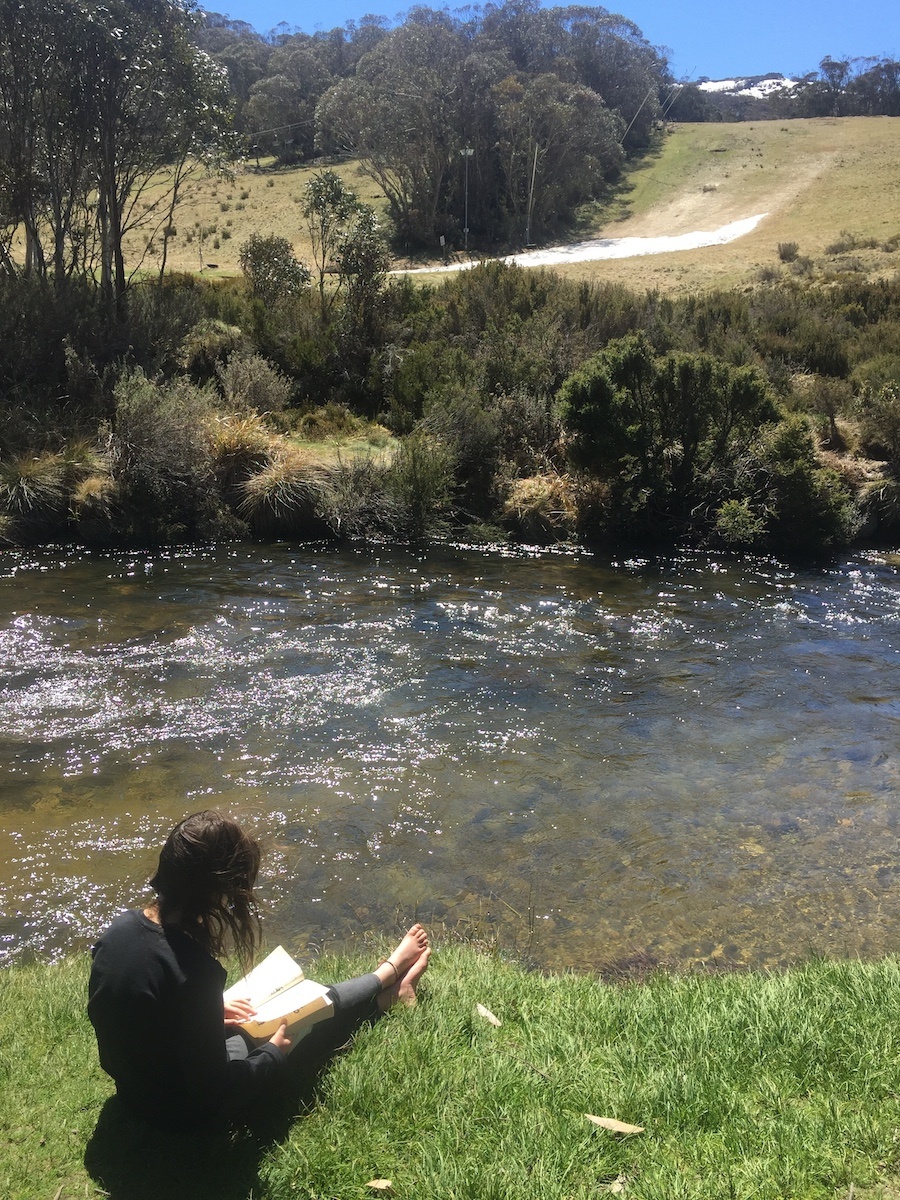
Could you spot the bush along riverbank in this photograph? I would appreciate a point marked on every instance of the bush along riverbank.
(500, 405)
(743, 1085)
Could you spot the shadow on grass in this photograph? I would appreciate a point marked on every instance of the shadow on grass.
(133, 1160)
(615, 206)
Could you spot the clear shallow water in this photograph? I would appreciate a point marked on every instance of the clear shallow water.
(689, 758)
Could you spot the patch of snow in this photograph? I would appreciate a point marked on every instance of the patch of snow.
(755, 86)
(767, 86)
(720, 85)
(605, 248)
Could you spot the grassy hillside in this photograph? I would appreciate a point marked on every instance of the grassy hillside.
(815, 179)
(217, 215)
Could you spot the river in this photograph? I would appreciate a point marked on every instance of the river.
(587, 762)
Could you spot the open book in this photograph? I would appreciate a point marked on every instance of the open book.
(279, 991)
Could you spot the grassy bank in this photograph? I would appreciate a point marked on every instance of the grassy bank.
(814, 178)
(746, 1085)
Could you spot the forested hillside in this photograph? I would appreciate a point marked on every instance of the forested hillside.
(534, 107)
(327, 398)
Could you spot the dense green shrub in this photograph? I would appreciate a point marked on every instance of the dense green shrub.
(878, 412)
(665, 433)
(421, 481)
(807, 506)
(829, 399)
(740, 526)
(271, 268)
(207, 345)
(469, 429)
(329, 421)
(160, 318)
(529, 430)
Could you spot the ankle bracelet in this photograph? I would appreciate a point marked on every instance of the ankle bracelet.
(393, 968)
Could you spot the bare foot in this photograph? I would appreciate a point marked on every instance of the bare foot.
(404, 990)
(400, 960)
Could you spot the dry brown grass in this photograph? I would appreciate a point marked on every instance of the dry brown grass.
(285, 497)
(217, 215)
(541, 508)
(813, 179)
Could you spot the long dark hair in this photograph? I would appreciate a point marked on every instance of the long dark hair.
(204, 884)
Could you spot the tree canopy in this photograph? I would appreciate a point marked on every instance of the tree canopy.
(96, 100)
(511, 114)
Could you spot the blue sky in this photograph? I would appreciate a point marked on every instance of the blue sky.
(719, 40)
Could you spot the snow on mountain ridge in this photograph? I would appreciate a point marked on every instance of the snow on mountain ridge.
(757, 86)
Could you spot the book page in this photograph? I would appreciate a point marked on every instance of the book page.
(303, 995)
(301, 1007)
(274, 975)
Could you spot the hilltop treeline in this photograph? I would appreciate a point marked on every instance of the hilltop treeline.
(534, 107)
(848, 87)
(502, 403)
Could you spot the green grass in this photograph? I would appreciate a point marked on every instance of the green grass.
(776, 1087)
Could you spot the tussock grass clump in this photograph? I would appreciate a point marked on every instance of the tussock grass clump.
(746, 1085)
(286, 498)
(81, 459)
(541, 508)
(241, 447)
(94, 508)
(33, 493)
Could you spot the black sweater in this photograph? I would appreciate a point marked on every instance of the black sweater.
(155, 1001)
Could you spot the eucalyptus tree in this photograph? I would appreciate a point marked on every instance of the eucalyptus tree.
(557, 144)
(157, 103)
(46, 152)
(875, 91)
(280, 110)
(521, 110)
(104, 104)
(582, 44)
(610, 55)
(399, 114)
(329, 208)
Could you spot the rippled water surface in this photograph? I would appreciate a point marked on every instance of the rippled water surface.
(689, 759)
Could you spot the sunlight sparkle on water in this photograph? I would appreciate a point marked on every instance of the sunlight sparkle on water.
(665, 757)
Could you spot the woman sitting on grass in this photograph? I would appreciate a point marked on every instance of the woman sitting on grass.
(164, 1033)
